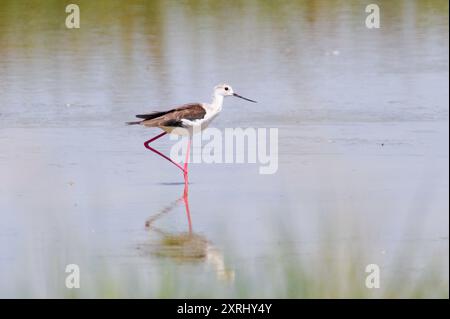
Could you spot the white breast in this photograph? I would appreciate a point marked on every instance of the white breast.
(211, 112)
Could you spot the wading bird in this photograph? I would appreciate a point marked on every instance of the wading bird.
(186, 119)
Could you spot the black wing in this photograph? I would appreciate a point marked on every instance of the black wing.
(174, 117)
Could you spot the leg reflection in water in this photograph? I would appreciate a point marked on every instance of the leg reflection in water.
(185, 246)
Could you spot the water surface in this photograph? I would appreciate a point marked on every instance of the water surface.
(363, 149)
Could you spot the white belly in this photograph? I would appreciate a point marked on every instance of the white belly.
(194, 126)
(191, 127)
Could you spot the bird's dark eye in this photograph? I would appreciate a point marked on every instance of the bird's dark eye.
(226, 88)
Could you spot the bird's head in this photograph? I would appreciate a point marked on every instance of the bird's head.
(227, 90)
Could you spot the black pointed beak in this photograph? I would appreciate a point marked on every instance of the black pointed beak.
(244, 98)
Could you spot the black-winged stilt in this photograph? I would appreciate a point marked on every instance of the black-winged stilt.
(186, 119)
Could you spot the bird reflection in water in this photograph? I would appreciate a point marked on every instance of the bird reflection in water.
(186, 246)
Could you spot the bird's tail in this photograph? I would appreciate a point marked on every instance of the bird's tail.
(133, 123)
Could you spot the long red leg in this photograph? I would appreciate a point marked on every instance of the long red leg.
(186, 170)
(188, 212)
(146, 144)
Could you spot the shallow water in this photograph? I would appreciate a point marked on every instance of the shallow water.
(363, 148)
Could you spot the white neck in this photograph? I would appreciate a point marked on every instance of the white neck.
(217, 102)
